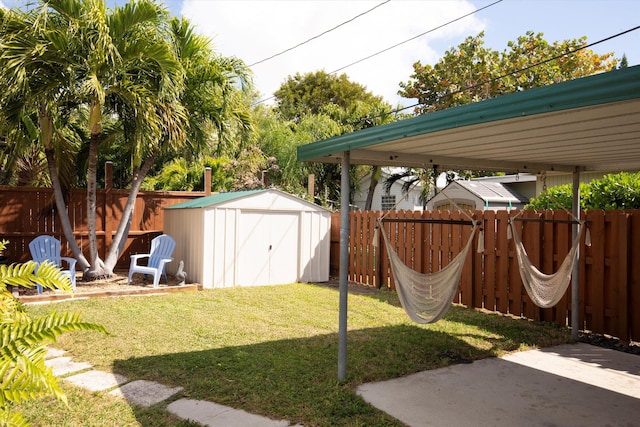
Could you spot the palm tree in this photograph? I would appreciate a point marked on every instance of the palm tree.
(216, 93)
(72, 54)
(130, 65)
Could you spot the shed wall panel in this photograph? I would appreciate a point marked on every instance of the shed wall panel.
(187, 228)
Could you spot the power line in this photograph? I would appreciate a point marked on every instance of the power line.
(398, 44)
(415, 37)
(321, 34)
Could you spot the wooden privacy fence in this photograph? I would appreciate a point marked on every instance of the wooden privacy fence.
(609, 269)
(29, 212)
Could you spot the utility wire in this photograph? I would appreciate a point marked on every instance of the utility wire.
(321, 34)
(397, 44)
(502, 76)
(415, 37)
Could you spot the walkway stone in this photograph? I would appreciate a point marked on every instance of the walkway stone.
(145, 393)
(97, 380)
(213, 415)
(54, 352)
(64, 365)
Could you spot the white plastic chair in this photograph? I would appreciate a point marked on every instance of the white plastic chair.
(47, 248)
(160, 254)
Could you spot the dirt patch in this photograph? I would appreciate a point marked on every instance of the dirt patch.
(117, 282)
(354, 288)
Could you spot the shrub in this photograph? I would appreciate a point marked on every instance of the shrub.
(613, 191)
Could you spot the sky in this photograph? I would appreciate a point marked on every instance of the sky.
(359, 39)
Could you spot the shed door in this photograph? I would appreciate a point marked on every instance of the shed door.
(267, 251)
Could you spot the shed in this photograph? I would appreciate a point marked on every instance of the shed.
(250, 238)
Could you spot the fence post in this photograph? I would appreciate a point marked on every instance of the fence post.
(207, 181)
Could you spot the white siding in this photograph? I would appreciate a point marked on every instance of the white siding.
(411, 202)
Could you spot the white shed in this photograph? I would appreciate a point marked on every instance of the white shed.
(250, 238)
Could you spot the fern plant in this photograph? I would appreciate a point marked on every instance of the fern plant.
(23, 373)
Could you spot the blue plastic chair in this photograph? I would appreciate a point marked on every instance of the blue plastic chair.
(160, 254)
(47, 248)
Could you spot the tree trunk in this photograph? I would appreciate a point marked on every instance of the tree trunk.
(96, 269)
(125, 222)
(46, 137)
(376, 172)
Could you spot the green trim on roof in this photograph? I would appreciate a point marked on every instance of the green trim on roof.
(214, 199)
(603, 88)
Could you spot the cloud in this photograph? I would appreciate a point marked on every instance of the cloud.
(255, 30)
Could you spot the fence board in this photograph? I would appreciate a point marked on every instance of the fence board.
(27, 212)
(609, 285)
(634, 276)
(502, 252)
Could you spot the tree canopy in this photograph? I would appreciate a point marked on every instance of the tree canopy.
(317, 106)
(472, 72)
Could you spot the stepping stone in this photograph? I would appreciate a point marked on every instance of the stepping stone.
(97, 380)
(64, 365)
(145, 393)
(213, 415)
(54, 352)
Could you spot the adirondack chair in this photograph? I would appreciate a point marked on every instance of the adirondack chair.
(160, 254)
(47, 248)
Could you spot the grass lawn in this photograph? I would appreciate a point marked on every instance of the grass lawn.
(268, 350)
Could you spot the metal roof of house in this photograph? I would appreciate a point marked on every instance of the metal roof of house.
(508, 179)
(491, 191)
(586, 124)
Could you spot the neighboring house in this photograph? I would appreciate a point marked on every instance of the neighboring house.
(383, 201)
(488, 192)
(476, 195)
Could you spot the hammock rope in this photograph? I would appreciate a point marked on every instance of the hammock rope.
(427, 297)
(545, 290)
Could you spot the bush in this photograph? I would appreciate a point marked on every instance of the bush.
(613, 191)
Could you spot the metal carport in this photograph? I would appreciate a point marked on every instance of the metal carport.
(587, 124)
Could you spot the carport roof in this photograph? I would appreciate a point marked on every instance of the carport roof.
(586, 124)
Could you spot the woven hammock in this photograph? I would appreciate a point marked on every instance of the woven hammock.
(545, 290)
(427, 297)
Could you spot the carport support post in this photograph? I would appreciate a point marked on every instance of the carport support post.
(575, 279)
(344, 266)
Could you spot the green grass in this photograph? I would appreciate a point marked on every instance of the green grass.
(268, 350)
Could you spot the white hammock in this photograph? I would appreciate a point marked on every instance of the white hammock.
(545, 290)
(427, 297)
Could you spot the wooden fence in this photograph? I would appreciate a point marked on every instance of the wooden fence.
(29, 212)
(609, 268)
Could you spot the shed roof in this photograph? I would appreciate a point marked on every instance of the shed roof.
(214, 199)
(269, 196)
(586, 124)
